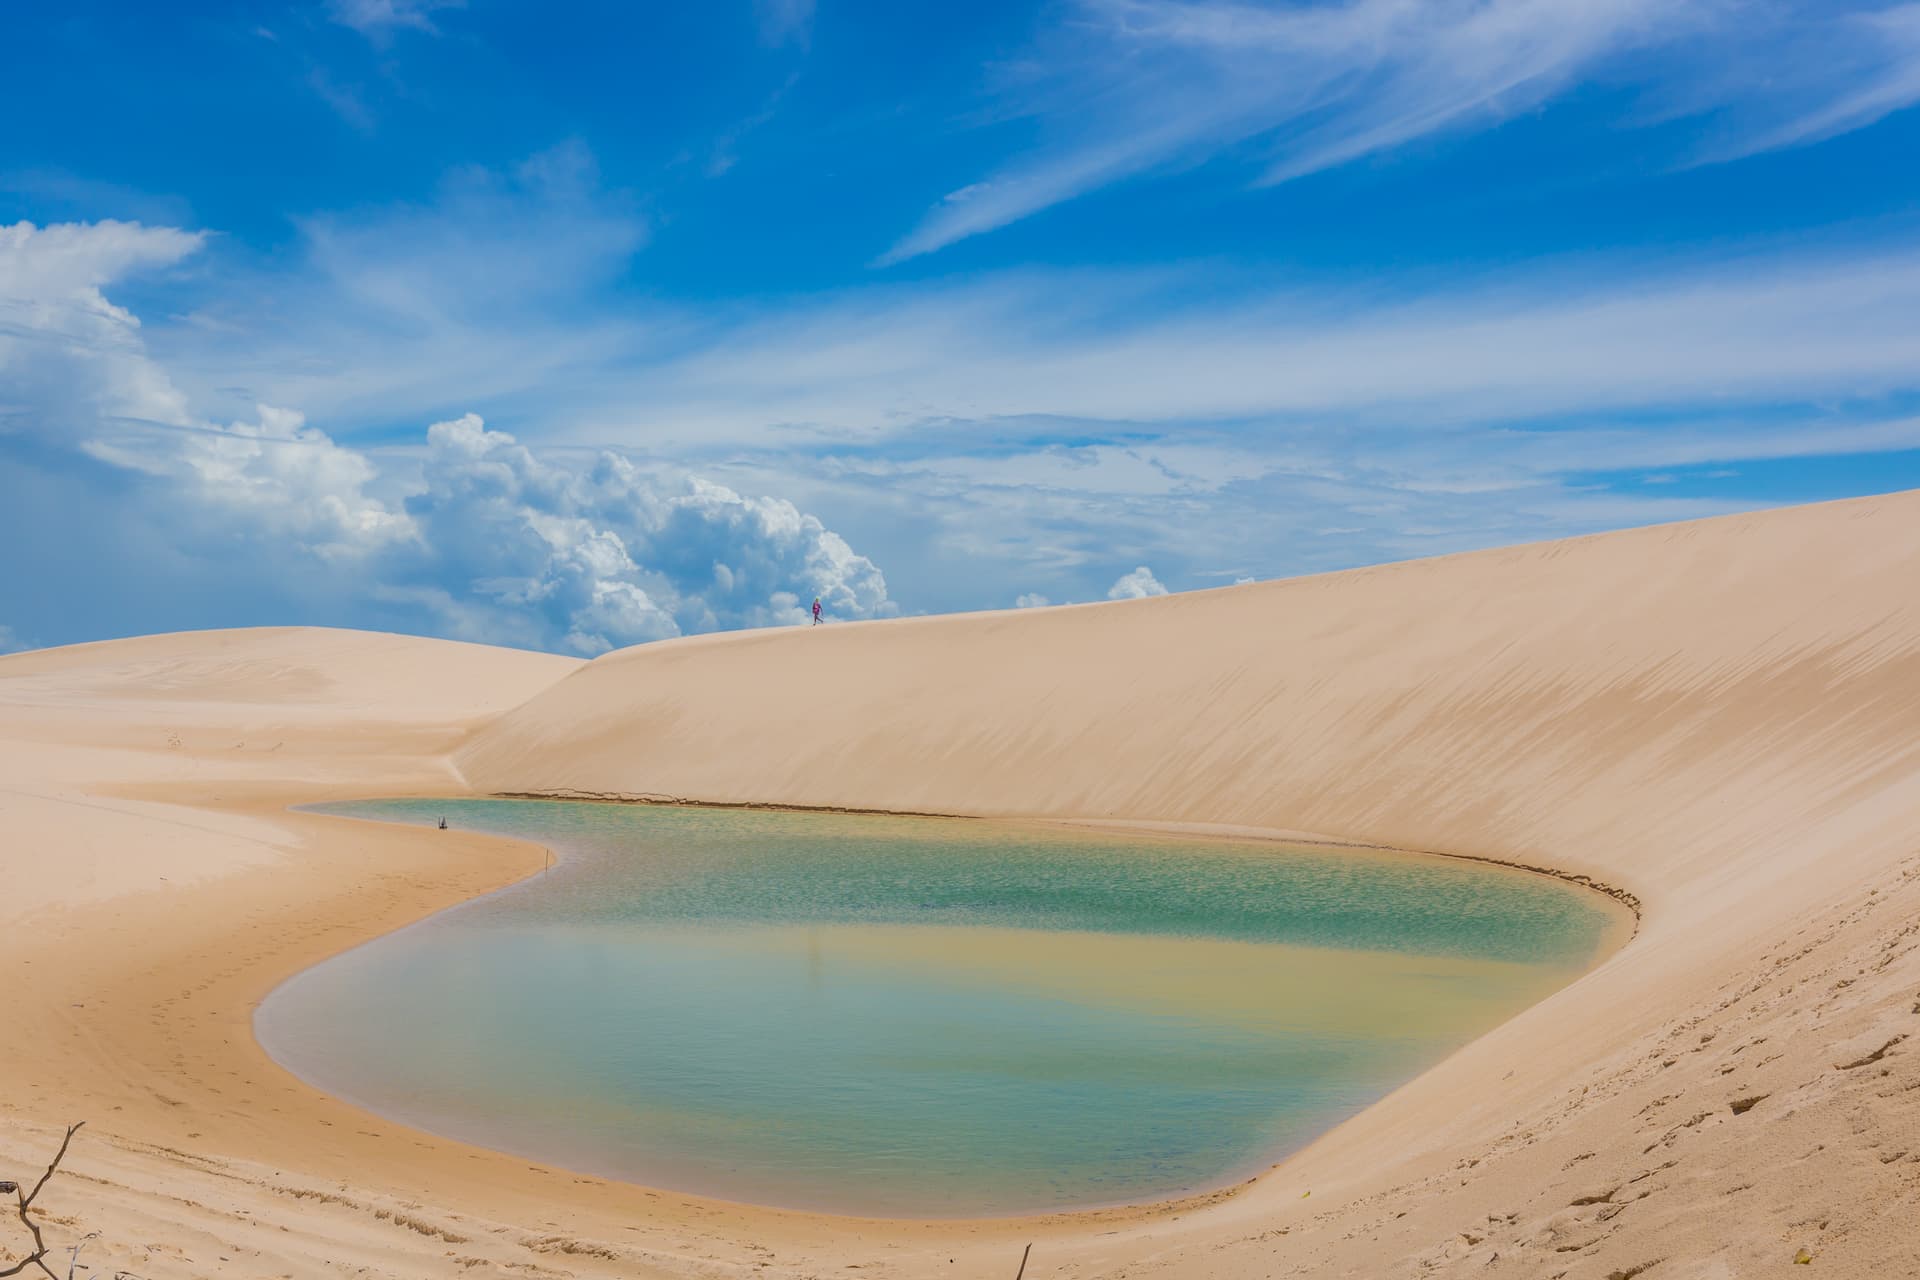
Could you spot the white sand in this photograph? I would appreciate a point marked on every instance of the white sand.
(1720, 719)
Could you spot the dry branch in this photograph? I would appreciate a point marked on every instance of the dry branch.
(24, 1203)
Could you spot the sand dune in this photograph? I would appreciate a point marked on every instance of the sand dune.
(98, 735)
(1720, 719)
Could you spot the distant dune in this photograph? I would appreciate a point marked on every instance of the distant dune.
(1719, 720)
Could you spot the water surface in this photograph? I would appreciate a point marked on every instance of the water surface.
(917, 1016)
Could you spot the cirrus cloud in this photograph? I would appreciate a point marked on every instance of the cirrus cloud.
(1119, 89)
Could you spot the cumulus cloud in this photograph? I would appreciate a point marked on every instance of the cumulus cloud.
(68, 356)
(615, 554)
(486, 540)
(278, 474)
(11, 643)
(67, 263)
(1136, 585)
(75, 370)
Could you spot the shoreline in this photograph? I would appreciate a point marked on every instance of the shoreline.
(1134, 826)
(353, 1158)
(1231, 1183)
(344, 1151)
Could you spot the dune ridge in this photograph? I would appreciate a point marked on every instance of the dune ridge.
(1720, 718)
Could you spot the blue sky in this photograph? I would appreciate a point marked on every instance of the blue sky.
(573, 326)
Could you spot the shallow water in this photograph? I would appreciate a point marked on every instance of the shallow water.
(917, 1016)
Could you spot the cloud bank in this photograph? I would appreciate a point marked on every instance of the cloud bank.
(476, 537)
(613, 555)
(1026, 432)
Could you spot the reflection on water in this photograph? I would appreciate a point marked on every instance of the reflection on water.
(915, 1016)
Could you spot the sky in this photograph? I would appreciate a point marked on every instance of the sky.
(579, 326)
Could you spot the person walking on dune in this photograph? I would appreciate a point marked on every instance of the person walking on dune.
(816, 611)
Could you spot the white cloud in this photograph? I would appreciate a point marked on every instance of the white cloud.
(379, 19)
(1320, 498)
(10, 642)
(75, 369)
(487, 540)
(1540, 339)
(545, 229)
(386, 324)
(278, 474)
(68, 356)
(1891, 86)
(1031, 600)
(67, 263)
(1847, 70)
(1030, 428)
(1121, 88)
(383, 316)
(1127, 86)
(1136, 585)
(615, 555)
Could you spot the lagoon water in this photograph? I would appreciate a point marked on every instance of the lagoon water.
(917, 1017)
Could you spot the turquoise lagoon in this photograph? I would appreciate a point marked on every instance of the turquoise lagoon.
(918, 1016)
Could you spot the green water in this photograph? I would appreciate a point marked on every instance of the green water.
(918, 1017)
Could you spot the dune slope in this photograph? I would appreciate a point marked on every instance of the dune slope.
(106, 746)
(1720, 718)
